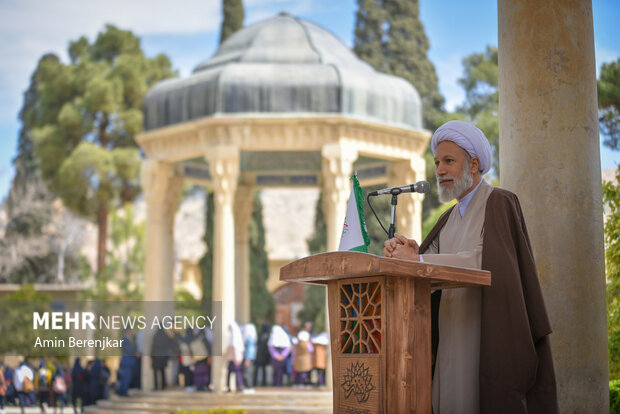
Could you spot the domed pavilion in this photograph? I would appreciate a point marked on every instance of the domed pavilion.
(282, 103)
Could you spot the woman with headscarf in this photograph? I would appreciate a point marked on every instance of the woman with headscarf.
(302, 360)
(97, 381)
(42, 384)
(234, 353)
(79, 386)
(59, 388)
(160, 353)
(319, 358)
(249, 355)
(262, 355)
(279, 348)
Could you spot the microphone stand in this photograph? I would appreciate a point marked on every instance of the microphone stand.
(392, 229)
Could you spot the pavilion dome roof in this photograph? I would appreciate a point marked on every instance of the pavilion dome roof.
(284, 66)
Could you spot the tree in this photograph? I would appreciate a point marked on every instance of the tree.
(368, 43)
(16, 329)
(262, 304)
(390, 36)
(88, 113)
(611, 200)
(26, 254)
(206, 261)
(383, 208)
(313, 306)
(609, 103)
(233, 18)
(481, 105)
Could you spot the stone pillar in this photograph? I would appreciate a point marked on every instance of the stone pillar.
(409, 208)
(224, 168)
(244, 203)
(549, 156)
(162, 191)
(337, 169)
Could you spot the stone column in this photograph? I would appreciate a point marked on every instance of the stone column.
(162, 191)
(409, 208)
(549, 156)
(224, 168)
(337, 169)
(244, 203)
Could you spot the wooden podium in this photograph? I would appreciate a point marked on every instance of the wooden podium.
(380, 326)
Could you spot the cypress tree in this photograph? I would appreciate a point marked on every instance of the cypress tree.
(390, 36)
(26, 251)
(206, 261)
(313, 308)
(262, 304)
(368, 43)
(234, 14)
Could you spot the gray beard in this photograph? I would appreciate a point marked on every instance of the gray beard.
(461, 184)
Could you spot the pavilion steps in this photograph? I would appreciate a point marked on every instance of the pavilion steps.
(263, 401)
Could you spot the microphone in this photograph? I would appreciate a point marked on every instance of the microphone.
(419, 187)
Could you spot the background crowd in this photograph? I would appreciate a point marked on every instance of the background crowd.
(271, 357)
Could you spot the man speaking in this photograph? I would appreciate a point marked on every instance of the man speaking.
(493, 353)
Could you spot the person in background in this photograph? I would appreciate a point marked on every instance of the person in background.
(161, 350)
(302, 358)
(234, 354)
(24, 384)
(128, 364)
(262, 355)
(3, 387)
(79, 386)
(186, 360)
(97, 381)
(200, 352)
(11, 393)
(288, 371)
(319, 358)
(59, 388)
(279, 348)
(42, 384)
(136, 379)
(249, 355)
(105, 379)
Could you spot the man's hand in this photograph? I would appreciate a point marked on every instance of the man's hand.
(401, 247)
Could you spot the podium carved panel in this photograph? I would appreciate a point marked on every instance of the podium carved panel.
(360, 385)
(360, 317)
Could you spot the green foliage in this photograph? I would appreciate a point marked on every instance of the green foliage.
(262, 304)
(432, 218)
(85, 118)
(313, 308)
(27, 251)
(233, 18)
(609, 103)
(390, 36)
(383, 209)
(614, 397)
(611, 200)
(481, 104)
(16, 328)
(123, 275)
(206, 261)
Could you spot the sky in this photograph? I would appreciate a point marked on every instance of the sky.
(188, 31)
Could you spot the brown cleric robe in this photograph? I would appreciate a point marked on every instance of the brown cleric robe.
(515, 370)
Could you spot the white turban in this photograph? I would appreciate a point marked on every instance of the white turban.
(468, 137)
